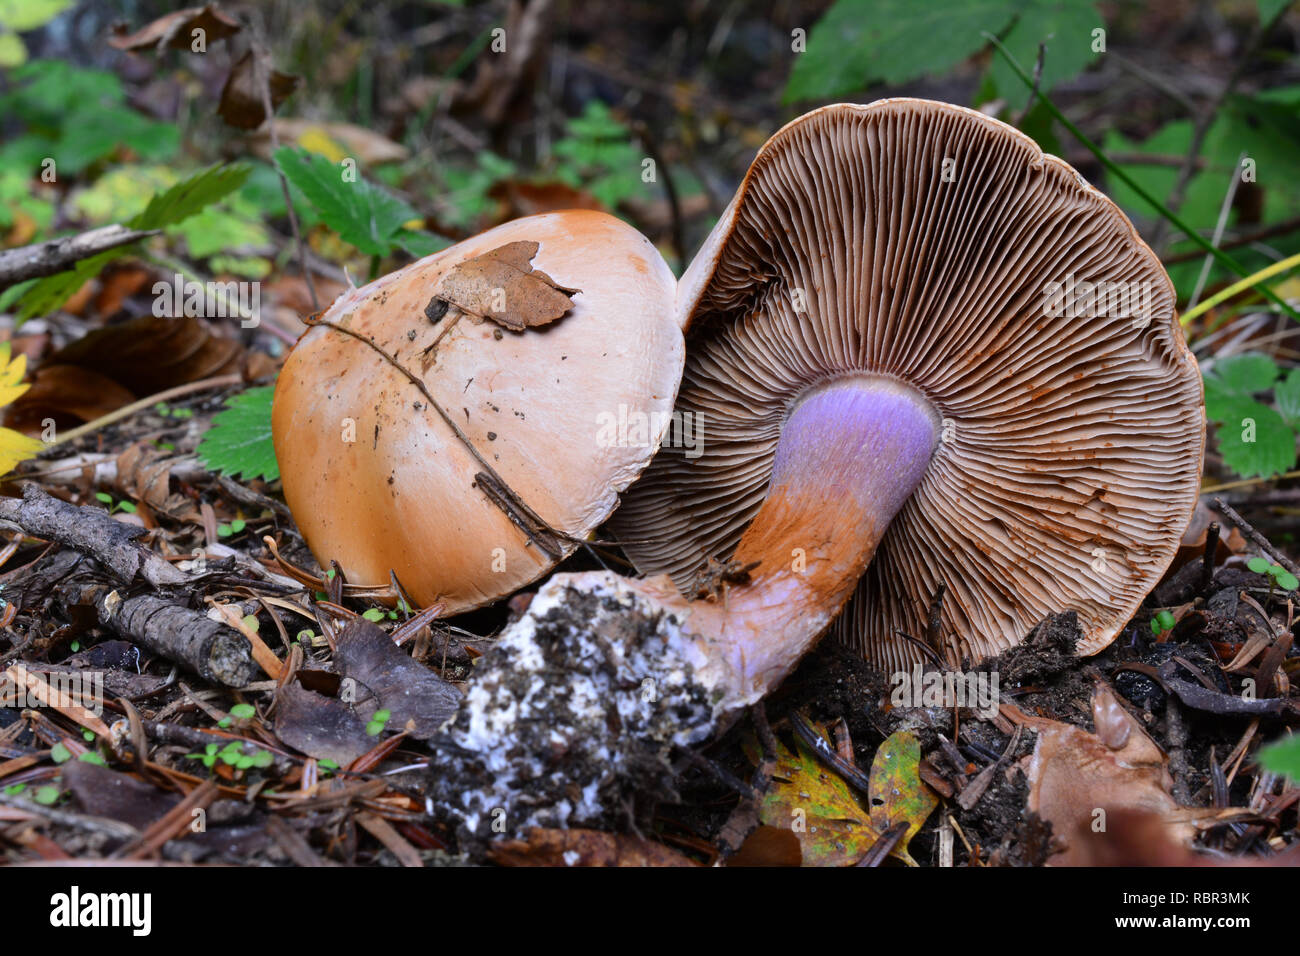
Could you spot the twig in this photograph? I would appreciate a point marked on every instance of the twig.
(126, 411)
(1207, 562)
(1231, 514)
(670, 191)
(1033, 90)
(1224, 208)
(1277, 229)
(217, 653)
(260, 59)
(91, 531)
(58, 255)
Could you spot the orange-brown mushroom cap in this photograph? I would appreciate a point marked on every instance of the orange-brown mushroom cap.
(922, 241)
(566, 414)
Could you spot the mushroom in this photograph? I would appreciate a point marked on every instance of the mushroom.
(925, 269)
(465, 422)
(891, 356)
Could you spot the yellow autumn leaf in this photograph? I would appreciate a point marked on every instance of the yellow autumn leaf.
(14, 446)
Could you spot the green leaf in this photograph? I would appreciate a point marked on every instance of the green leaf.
(13, 52)
(46, 796)
(191, 195)
(1268, 9)
(60, 753)
(1236, 378)
(1065, 26)
(243, 711)
(239, 440)
(168, 208)
(861, 42)
(373, 614)
(361, 213)
(1253, 439)
(1283, 756)
(22, 15)
(91, 757)
(1258, 565)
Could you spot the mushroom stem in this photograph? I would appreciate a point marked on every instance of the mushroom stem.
(582, 702)
(851, 452)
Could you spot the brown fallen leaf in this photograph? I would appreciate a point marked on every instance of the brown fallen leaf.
(67, 394)
(583, 848)
(151, 353)
(1077, 779)
(365, 146)
(242, 105)
(386, 677)
(144, 474)
(320, 726)
(176, 30)
(502, 285)
(768, 846)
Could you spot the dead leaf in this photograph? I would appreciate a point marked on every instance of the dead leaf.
(176, 30)
(144, 473)
(806, 798)
(67, 394)
(541, 847)
(896, 791)
(768, 846)
(1078, 779)
(346, 139)
(502, 285)
(242, 105)
(416, 698)
(320, 726)
(151, 353)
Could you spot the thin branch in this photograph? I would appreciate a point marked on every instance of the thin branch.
(58, 255)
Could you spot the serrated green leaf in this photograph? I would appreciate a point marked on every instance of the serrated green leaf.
(362, 213)
(861, 42)
(1253, 439)
(191, 195)
(170, 207)
(239, 440)
(1283, 756)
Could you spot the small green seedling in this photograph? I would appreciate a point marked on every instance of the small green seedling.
(47, 796)
(1283, 757)
(114, 507)
(60, 753)
(1162, 622)
(14, 789)
(1278, 575)
(377, 722)
(243, 711)
(234, 528)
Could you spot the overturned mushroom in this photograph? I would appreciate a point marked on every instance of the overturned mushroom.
(450, 423)
(891, 354)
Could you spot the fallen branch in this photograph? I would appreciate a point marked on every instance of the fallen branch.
(92, 531)
(58, 255)
(209, 648)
